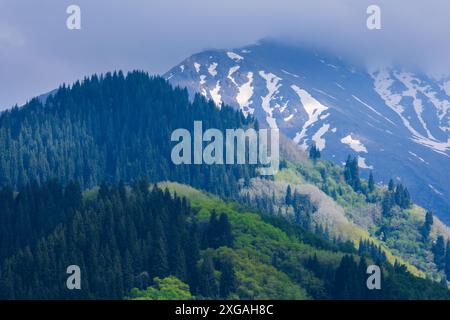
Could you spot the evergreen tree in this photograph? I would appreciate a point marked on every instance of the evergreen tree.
(426, 228)
(224, 230)
(439, 252)
(351, 173)
(288, 196)
(447, 260)
(314, 153)
(347, 280)
(207, 283)
(371, 183)
(391, 185)
(228, 280)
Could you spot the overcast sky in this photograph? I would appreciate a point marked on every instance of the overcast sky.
(38, 52)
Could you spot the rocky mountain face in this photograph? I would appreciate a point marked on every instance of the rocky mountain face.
(396, 121)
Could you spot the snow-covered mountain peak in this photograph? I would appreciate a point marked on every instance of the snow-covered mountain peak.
(396, 121)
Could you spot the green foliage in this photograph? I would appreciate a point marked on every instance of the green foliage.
(110, 128)
(274, 259)
(169, 288)
(386, 213)
(119, 238)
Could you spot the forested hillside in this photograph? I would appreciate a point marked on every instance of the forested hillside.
(132, 237)
(111, 128)
(339, 203)
(78, 174)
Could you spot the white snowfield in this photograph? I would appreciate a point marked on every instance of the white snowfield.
(244, 95)
(318, 137)
(272, 85)
(313, 109)
(354, 144)
(234, 56)
(215, 95)
(212, 69)
(384, 80)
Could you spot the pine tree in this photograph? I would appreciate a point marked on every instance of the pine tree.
(347, 280)
(288, 196)
(371, 183)
(426, 228)
(439, 252)
(207, 282)
(228, 280)
(447, 260)
(314, 153)
(224, 230)
(351, 173)
(391, 185)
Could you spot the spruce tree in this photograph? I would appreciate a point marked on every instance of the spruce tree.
(207, 283)
(288, 199)
(224, 230)
(439, 253)
(228, 281)
(447, 260)
(371, 183)
(426, 228)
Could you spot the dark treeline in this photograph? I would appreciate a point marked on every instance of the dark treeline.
(119, 237)
(124, 237)
(111, 128)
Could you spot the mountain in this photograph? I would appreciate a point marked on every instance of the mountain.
(146, 238)
(110, 128)
(397, 121)
(71, 173)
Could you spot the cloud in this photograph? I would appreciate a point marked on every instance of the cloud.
(10, 38)
(155, 35)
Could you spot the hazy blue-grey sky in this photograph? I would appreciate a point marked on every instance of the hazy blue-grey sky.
(38, 52)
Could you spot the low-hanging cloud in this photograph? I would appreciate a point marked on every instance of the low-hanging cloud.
(38, 52)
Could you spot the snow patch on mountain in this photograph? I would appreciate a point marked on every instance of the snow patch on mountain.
(313, 109)
(202, 79)
(197, 67)
(362, 163)
(318, 136)
(289, 117)
(244, 95)
(383, 82)
(290, 74)
(415, 155)
(234, 56)
(272, 86)
(215, 95)
(231, 71)
(446, 88)
(354, 144)
(372, 109)
(212, 69)
(435, 190)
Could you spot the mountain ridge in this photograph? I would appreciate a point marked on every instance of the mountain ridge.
(397, 122)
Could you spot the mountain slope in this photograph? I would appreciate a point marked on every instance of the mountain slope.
(117, 128)
(111, 128)
(398, 122)
(124, 237)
